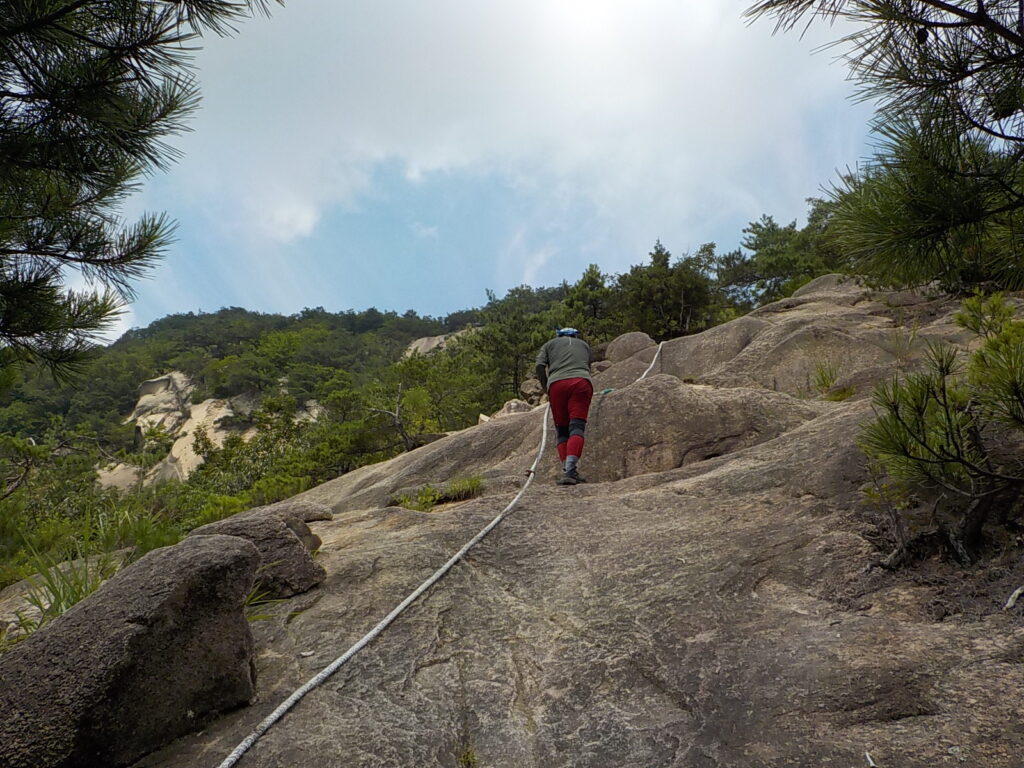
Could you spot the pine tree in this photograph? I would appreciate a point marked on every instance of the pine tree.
(89, 90)
(942, 198)
(663, 299)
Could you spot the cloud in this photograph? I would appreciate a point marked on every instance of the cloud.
(620, 121)
(425, 231)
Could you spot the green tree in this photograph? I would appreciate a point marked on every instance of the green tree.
(664, 299)
(89, 90)
(941, 200)
(955, 430)
(589, 306)
(514, 329)
(928, 207)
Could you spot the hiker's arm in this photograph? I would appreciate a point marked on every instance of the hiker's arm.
(542, 374)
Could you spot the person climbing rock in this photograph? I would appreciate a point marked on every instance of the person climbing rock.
(563, 367)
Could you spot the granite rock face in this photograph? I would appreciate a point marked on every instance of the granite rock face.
(281, 534)
(627, 345)
(705, 601)
(151, 655)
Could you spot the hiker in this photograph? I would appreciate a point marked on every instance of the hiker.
(563, 367)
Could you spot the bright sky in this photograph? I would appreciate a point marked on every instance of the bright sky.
(413, 153)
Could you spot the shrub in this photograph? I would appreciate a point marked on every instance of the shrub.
(955, 430)
(426, 498)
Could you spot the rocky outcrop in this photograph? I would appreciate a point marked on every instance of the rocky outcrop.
(157, 650)
(832, 324)
(428, 344)
(281, 534)
(706, 600)
(627, 345)
(164, 404)
(532, 391)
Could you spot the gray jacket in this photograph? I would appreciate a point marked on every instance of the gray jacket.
(565, 357)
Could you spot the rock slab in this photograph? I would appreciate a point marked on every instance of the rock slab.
(150, 656)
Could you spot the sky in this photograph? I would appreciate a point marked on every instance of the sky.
(413, 154)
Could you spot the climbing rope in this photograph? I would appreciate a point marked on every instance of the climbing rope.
(657, 354)
(335, 665)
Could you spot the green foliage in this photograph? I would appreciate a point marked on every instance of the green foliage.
(664, 299)
(427, 497)
(590, 306)
(257, 600)
(424, 500)
(515, 327)
(985, 316)
(932, 207)
(59, 585)
(91, 90)
(942, 198)
(462, 488)
(826, 372)
(956, 429)
(780, 258)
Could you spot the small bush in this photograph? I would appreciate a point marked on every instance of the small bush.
(825, 374)
(56, 586)
(838, 395)
(426, 498)
(463, 488)
(955, 430)
(258, 599)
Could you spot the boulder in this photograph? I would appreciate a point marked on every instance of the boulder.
(532, 391)
(662, 423)
(627, 345)
(513, 406)
(149, 656)
(284, 540)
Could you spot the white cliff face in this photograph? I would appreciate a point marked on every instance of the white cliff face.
(428, 344)
(182, 460)
(165, 403)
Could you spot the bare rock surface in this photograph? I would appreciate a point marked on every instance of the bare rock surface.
(285, 543)
(627, 345)
(833, 326)
(532, 391)
(704, 601)
(151, 655)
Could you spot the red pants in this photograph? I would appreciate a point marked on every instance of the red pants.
(570, 402)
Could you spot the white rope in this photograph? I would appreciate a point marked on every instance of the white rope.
(658, 352)
(335, 665)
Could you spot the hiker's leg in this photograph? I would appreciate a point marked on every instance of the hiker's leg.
(578, 407)
(558, 399)
(562, 434)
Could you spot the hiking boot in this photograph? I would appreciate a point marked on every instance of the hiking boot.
(571, 478)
